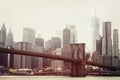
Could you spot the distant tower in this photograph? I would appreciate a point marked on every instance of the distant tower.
(99, 45)
(22, 60)
(39, 47)
(115, 43)
(115, 53)
(72, 34)
(10, 39)
(60, 35)
(3, 34)
(9, 44)
(3, 57)
(95, 30)
(106, 40)
(66, 46)
(29, 35)
(39, 42)
(107, 43)
(48, 45)
(66, 38)
(55, 43)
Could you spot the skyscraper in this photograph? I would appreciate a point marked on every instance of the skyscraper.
(21, 61)
(9, 44)
(29, 35)
(66, 46)
(39, 47)
(39, 41)
(48, 49)
(52, 44)
(66, 38)
(115, 54)
(95, 32)
(99, 45)
(55, 43)
(73, 34)
(106, 40)
(107, 43)
(3, 34)
(9, 39)
(37, 62)
(3, 57)
(115, 43)
(59, 33)
(48, 45)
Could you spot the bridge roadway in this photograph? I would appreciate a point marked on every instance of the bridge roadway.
(36, 54)
(45, 55)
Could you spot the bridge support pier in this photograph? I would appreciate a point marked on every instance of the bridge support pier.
(74, 69)
(78, 68)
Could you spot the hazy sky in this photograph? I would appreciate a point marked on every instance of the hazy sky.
(47, 16)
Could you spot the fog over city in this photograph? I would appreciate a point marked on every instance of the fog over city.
(49, 16)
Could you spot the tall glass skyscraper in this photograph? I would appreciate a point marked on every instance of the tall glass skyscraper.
(95, 32)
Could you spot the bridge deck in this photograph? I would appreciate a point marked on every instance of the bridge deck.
(36, 54)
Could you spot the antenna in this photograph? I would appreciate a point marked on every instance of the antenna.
(95, 8)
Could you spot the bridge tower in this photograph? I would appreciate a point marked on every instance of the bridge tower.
(78, 53)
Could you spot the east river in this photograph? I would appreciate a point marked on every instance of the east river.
(56, 78)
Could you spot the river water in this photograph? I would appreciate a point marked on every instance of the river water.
(56, 78)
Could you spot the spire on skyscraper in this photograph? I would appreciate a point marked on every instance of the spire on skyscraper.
(95, 9)
(95, 28)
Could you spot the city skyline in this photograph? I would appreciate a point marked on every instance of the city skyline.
(44, 15)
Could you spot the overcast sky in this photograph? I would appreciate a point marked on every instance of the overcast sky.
(47, 16)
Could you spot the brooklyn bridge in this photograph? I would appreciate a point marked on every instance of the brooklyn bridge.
(77, 60)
